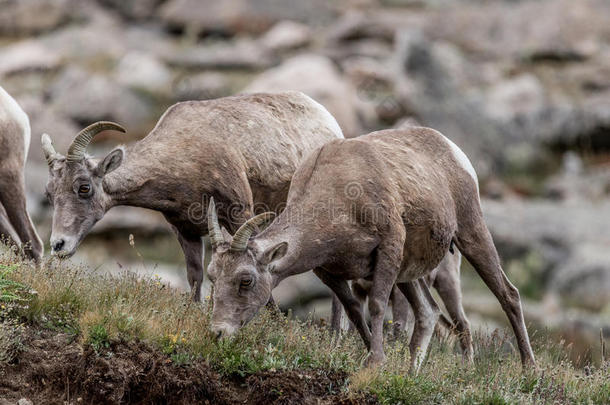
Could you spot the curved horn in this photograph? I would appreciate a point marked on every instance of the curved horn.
(48, 149)
(77, 150)
(213, 227)
(240, 240)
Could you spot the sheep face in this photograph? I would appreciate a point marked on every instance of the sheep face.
(75, 190)
(241, 286)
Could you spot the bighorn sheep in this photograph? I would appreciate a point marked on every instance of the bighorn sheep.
(241, 150)
(445, 278)
(385, 207)
(15, 223)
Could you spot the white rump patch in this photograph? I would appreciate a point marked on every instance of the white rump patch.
(15, 112)
(328, 118)
(463, 161)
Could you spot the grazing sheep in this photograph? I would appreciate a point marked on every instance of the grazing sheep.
(385, 207)
(445, 278)
(15, 223)
(240, 150)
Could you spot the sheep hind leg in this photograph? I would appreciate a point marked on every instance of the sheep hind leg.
(426, 314)
(447, 284)
(7, 233)
(476, 244)
(12, 197)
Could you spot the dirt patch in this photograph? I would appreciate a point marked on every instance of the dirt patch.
(52, 369)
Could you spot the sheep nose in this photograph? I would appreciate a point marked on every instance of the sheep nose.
(222, 330)
(58, 245)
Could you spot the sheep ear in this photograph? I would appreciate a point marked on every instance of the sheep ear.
(110, 162)
(225, 234)
(274, 253)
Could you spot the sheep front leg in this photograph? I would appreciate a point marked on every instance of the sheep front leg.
(352, 306)
(193, 253)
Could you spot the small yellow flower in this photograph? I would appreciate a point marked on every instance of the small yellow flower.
(303, 337)
(390, 321)
(207, 297)
(3, 306)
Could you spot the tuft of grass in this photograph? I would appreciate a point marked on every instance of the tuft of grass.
(100, 310)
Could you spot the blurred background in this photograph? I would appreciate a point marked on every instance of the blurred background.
(523, 87)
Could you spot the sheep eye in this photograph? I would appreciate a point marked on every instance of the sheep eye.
(84, 189)
(246, 282)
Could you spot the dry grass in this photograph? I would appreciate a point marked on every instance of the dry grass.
(100, 309)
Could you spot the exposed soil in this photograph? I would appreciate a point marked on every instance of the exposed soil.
(53, 369)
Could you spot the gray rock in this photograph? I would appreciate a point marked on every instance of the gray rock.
(27, 56)
(355, 25)
(287, 35)
(551, 246)
(30, 17)
(239, 16)
(202, 86)
(24, 401)
(143, 71)
(432, 88)
(317, 77)
(242, 54)
(88, 97)
(134, 9)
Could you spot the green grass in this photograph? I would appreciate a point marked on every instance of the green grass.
(98, 310)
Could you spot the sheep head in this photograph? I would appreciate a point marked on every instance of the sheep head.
(75, 189)
(239, 272)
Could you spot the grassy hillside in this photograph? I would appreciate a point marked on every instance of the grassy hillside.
(69, 334)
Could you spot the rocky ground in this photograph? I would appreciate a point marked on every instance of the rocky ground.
(522, 86)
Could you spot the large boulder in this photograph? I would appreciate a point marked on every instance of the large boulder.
(241, 54)
(134, 9)
(287, 35)
(559, 247)
(142, 71)
(27, 56)
(241, 16)
(317, 77)
(88, 97)
(31, 17)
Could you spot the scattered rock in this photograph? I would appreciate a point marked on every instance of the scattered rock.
(241, 16)
(142, 71)
(202, 86)
(134, 9)
(521, 99)
(317, 77)
(31, 17)
(88, 97)
(242, 54)
(358, 25)
(287, 35)
(27, 56)
(555, 247)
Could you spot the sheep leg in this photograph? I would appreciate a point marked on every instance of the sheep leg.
(336, 316)
(426, 314)
(352, 307)
(12, 197)
(6, 230)
(402, 314)
(193, 253)
(360, 289)
(388, 259)
(447, 284)
(476, 244)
